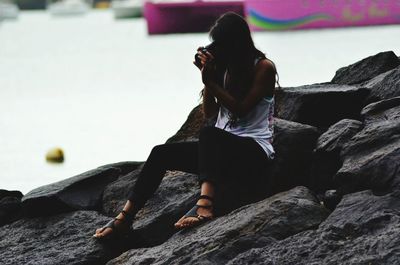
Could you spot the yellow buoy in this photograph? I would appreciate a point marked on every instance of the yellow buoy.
(55, 155)
(102, 5)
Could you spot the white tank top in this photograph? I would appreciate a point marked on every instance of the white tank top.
(257, 124)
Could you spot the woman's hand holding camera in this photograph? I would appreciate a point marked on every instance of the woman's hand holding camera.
(206, 65)
(202, 56)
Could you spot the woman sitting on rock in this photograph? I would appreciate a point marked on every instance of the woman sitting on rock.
(243, 97)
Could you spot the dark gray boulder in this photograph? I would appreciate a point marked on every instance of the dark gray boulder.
(363, 229)
(294, 144)
(223, 238)
(383, 86)
(371, 158)
(191, 127)
(330, 199)
(116, 193)
(326, 156)
(83, 191)
(375, 109)
(155, 222)
(320, 105)
(60, 239)
(366, 68)
(337, 135)
(10, 193)
(10, 206)
(177, 193)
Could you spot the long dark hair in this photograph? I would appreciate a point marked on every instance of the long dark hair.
(232, 34)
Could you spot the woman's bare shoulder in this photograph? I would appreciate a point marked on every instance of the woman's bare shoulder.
(266, 65)
(265, 76)
(265, 71)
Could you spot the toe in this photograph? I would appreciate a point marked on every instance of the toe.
(188, 222)
(185, 220)
(97, 235)
(104, 232)
(178, 224)
(180, 220)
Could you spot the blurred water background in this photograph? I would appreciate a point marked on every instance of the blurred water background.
(105, 91)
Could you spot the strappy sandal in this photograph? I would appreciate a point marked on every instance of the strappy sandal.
(117, 230)
(193, 212)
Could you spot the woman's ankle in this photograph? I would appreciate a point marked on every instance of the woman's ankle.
(128, 207)
(204, 202)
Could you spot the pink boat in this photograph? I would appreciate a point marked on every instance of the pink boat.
(187, 16)
(302, 14)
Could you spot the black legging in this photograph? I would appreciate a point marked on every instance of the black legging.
(217, 155)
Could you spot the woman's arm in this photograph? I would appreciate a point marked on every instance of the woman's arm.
(210, 107)
(264, 84)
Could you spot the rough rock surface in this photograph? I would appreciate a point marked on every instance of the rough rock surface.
(366, 69)
(83, 191)
(249, 228)
(10, 206)
(363, 229)
(294, 144)
(337, 135)
(375, 108)
(371, 158)
(60, 239)
(326, 156)
(10, 193)
(155, 222)
(116, 192)
(320, 105)
(221, 239)
(191, 127)
(383, 86)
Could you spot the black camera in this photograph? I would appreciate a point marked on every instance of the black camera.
(211, 48)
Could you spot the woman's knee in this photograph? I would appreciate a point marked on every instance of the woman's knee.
(158, 150)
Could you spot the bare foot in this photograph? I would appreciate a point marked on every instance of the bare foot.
(191, 221)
